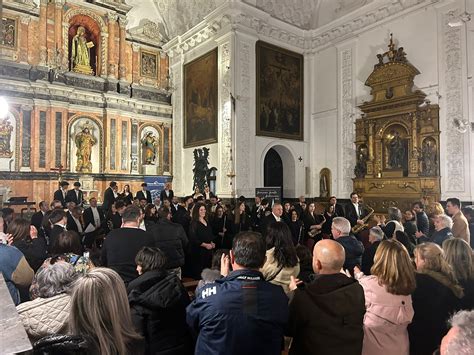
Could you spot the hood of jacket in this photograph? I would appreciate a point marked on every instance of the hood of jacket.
(336, 294)
(45, 316)
(445, 281)
(155, 289)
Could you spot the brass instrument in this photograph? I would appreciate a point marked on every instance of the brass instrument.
(314, 232)
(358, 227)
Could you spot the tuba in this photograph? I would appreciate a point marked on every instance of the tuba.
(359, 227)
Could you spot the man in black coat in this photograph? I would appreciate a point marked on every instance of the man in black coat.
(167, 193)
(95, 217)
(274, 216)
(37, 217)
(376, 235)
(171, 239)
(422, 221)
(110, 195)
(144, 194)
(338, 209)
(355, 212)
(122, 245)
(326, 316)
(353, 248)
(75, 195)
(60, 194)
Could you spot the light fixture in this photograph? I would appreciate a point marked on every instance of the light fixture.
(3, 107)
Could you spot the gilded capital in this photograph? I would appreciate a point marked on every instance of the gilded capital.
(123, 22)
(112, 16)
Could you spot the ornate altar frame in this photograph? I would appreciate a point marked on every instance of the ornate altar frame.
(396, 107)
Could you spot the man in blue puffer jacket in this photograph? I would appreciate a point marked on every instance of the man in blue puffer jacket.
(240, 313)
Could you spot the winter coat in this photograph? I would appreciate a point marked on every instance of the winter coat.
(326, 317)
(158, 303)
(276, 274)
(172, 240)
(438, 237)
(45, 316)
(434, 300)
(208, 276)
(354, 250)
(386, 319)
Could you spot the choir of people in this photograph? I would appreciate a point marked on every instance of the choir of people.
(303, 277)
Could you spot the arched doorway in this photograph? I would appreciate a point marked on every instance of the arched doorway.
(272, 169)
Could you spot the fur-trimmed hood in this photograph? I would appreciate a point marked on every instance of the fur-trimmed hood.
(444, 280)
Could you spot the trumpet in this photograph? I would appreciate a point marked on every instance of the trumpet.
(359, 227)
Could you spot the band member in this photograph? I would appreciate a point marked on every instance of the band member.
(338, 209)
(355, 212)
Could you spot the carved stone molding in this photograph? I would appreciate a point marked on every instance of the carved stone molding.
(452, 57)
(226, 158)
(348, 119)
(178, 130)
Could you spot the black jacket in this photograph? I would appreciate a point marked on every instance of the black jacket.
(172, 240)
(265, 223)
(164, 197)
(140, 195)
(58, 195)
(37, 220)
(423, 223)
(34, 251)
(120, 248)
(55, 231)
(351, 213)
(109, 199)
(72, 197)
(71, 223)
(354, 250)
(326, 317)
(158, 303)
(88, 217)
(368, 257)
(434, 300)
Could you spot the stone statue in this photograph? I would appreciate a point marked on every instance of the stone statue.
(360, 169)
(6, 130)
(150, 148)
(429, 163)
(80, 53)
(396, 151)
(84, 141)
(324, 184)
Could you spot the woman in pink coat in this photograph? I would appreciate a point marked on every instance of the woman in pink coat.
(388, 300)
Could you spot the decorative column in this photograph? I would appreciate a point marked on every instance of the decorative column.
(42, 31)
(24, 33)
(112, 19)
(26, 138)
(122, 46)
(58, 22)
(135, 63)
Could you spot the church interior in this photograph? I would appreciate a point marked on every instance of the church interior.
(282, 99)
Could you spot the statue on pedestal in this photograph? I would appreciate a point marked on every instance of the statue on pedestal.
(6, 130)
(84, 141)
(396, 151)
(150, 148)
(80, 54)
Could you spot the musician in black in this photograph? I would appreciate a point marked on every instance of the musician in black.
(338, 209)
(355, 211)
(296, 227)
(313, 224)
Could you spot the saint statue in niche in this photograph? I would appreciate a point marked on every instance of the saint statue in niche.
(6, 130)
(80, 54)
(84, 141)
(150, 148)
(429, 164)
(396, 151)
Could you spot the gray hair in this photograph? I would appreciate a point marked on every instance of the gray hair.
(55, 279)
(394, 214)
(377, 232)
(463, 342)
(445, 220)
(342, 225)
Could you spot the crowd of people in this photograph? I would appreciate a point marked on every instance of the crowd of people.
(300, 277)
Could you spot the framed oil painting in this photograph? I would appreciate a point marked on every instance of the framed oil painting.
(279, 92)
(149, 64)
(200, 100)
(9, 33)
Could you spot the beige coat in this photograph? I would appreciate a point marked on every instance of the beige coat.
(460, 227)
(277, 275)
(45, 316)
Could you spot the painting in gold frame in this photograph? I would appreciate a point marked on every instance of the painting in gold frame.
(148, 64)
(200, 100)
(9, 34)
(279, 92)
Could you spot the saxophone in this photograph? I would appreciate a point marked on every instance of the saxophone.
(358, 227)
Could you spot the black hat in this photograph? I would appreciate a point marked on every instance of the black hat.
(63, 183)
(77, 183)
(144, 184)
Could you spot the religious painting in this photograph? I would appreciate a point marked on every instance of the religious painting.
(279, 92)
(8, 37)
(200, 100)
(149, 64)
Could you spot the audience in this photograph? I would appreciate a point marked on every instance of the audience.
(57, 225)
(388, 300)
(158, 303)
(458, 254)
(460, 225)
(394, 223)
(101, 314)
(442, 230)
(353, 248)
(240, 313)
(25, 238)
(409, 225)
(460, 338)
(437, 295)
(403, 238)
(281, 261)
(326, 316)
(122, 245)
(376, 235)
(48, 314)
(421, 218)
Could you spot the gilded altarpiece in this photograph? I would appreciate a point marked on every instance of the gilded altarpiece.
(397, 138)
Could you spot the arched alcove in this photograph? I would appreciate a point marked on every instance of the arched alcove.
(271, 169)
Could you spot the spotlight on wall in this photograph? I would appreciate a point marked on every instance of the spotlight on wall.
(3, 107)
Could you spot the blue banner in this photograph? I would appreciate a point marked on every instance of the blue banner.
(155, 184)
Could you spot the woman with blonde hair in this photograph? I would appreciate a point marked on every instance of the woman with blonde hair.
(458, 254)
(437, 295)
(388, 300)
(102, 316)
